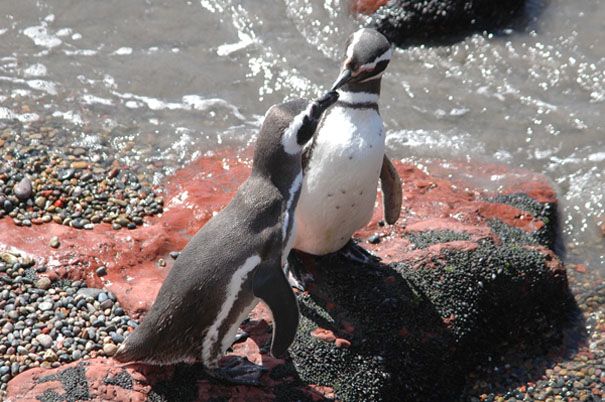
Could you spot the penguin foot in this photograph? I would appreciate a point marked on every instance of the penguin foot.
(238, 370)
(294, 278)
(355, 253)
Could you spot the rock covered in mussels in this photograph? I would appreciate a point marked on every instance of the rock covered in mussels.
(405, 21)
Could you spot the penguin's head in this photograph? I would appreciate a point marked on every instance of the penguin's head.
(286, 129)
(367, 56)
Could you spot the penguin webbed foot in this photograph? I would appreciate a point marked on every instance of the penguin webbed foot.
(238, 370)
(353, 252)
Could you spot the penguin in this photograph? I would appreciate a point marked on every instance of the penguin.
(235, 260)
(345, 159)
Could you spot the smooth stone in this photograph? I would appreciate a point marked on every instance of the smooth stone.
(43, 283)
(110, 349)
(45, 340)
(106, 304)
(90, 292)
(54, 242)
(23, 189)
(45, 306)
(117, 338)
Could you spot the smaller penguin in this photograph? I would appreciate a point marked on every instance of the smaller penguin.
(346, 158)
(235, 260)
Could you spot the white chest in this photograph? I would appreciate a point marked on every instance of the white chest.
(340, 183)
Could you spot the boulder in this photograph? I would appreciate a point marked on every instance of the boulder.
(405, 21)
(470, 265)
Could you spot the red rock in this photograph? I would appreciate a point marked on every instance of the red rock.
(328, 392)
(441, 196)
(342, 343)
(366, 6)
(324, 334)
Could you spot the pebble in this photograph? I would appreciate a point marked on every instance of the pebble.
(43, 283)
(45, 340)
(54, 242)
(110, 349)
(101, 271)
(374, 239)
(45, 306)
(90, 292)
(23, 189)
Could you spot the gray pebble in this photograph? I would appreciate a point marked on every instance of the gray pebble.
(45, 306)
(45, 341)
(23, 189)
(90, 292)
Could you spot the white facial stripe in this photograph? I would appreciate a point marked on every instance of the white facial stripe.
(356, 38)
(293, 190)
(289, 140)
(383, 57)
(357, 97)
(233, 289)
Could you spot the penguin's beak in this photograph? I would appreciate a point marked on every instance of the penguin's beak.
(343, 78)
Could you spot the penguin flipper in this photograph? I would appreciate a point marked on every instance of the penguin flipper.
(392, 194)
(272, 287)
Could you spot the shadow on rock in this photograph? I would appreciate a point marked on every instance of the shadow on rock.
(414, 332)
(383, 337)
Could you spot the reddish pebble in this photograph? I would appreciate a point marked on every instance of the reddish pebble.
(581, 268)
(323, 334)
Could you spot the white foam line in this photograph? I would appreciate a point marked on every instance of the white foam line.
(188, 102)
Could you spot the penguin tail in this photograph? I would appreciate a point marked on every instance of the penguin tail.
(129, 351)
(122, 354)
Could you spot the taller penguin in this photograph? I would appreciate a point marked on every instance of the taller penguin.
(346, 158)
(235, 259)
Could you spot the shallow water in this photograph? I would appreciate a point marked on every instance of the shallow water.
(176, 79)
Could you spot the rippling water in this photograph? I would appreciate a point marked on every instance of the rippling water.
(176, 79)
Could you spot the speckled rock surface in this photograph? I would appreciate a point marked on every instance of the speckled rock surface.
(468, 268)
(404, 21)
